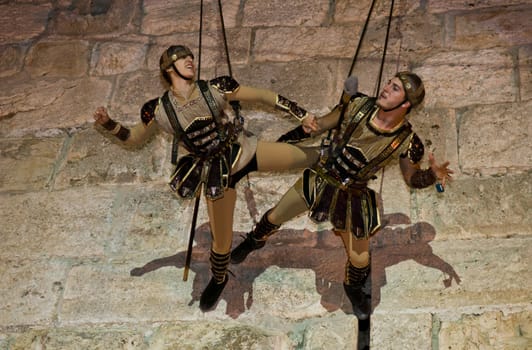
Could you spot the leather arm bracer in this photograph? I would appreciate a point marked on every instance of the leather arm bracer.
(291, 107)
(121, 132)
(422, 178)
(295, 135)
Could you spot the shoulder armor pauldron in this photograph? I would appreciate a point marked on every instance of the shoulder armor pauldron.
(147, 113)
(358, 95)
(416, 150)
(225, 84)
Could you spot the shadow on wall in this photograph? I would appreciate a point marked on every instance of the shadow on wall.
(290, 249)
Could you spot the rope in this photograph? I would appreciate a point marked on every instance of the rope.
(327, 140)
(248, 193)
(381, 69)
(225, 38)
(385, 48)
(359, 45)
(192, 233)
(200, 34)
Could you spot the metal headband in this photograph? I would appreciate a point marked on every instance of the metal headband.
(413, 94)
(172, 54)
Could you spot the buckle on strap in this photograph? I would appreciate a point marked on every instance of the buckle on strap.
(349, 185)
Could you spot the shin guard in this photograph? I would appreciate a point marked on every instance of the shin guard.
(354, 281)
(255, 239)
(211, 294)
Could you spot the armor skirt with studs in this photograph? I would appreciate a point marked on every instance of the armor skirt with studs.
(348, 208)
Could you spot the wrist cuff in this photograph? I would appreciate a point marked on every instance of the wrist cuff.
(285, 104)
(110, 124)
(121, 132)
(423, 178)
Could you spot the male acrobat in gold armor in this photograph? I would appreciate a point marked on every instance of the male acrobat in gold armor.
(368, 134)
(219, 153)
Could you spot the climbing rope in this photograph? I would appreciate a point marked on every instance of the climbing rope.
(238, 120)
(327, 141)
(377, 89)
(360, 39)
(385, 48)
(225, 38)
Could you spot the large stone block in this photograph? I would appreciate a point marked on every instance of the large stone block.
(239, 41)
(418, 35)
(334, 331)
(113, 58)
(97, 159)
(31, 290)
(357, 11)
(453, 277)
(109, 337)
(108, 19)
(462, 78)
(310, 83)
(286, 293)
(132, 92)
(493, 28)
(45, 107)
(488, 330)
(276, 13)
(495, 139)
(106, 293)
(149, 221)
(212, 334)
(58, 59)
(296, 43)
(69, 224)
(28, 164)
(525, 73)
(437, 129)
(478, 207)
(164, 17)
(391, 331)
(22, 22)
(438, 6)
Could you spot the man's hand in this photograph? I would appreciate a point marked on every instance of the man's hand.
(310, 123)
(442, 172)
(100, 115)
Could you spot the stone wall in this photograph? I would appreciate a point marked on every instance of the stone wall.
(79, 212)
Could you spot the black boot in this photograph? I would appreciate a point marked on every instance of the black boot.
(255, 239)
(212, 292)
(355, 278)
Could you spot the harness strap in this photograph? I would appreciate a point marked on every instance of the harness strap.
(211, 102)
(386, 153)
(178, 130)
(355, 121)
(172, 117)
(362, 114)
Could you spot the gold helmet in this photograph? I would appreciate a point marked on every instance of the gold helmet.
(172, 54)
(414, 89)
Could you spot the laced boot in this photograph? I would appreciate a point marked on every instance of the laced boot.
(354, 281)
(211, 294)
(255, 239)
